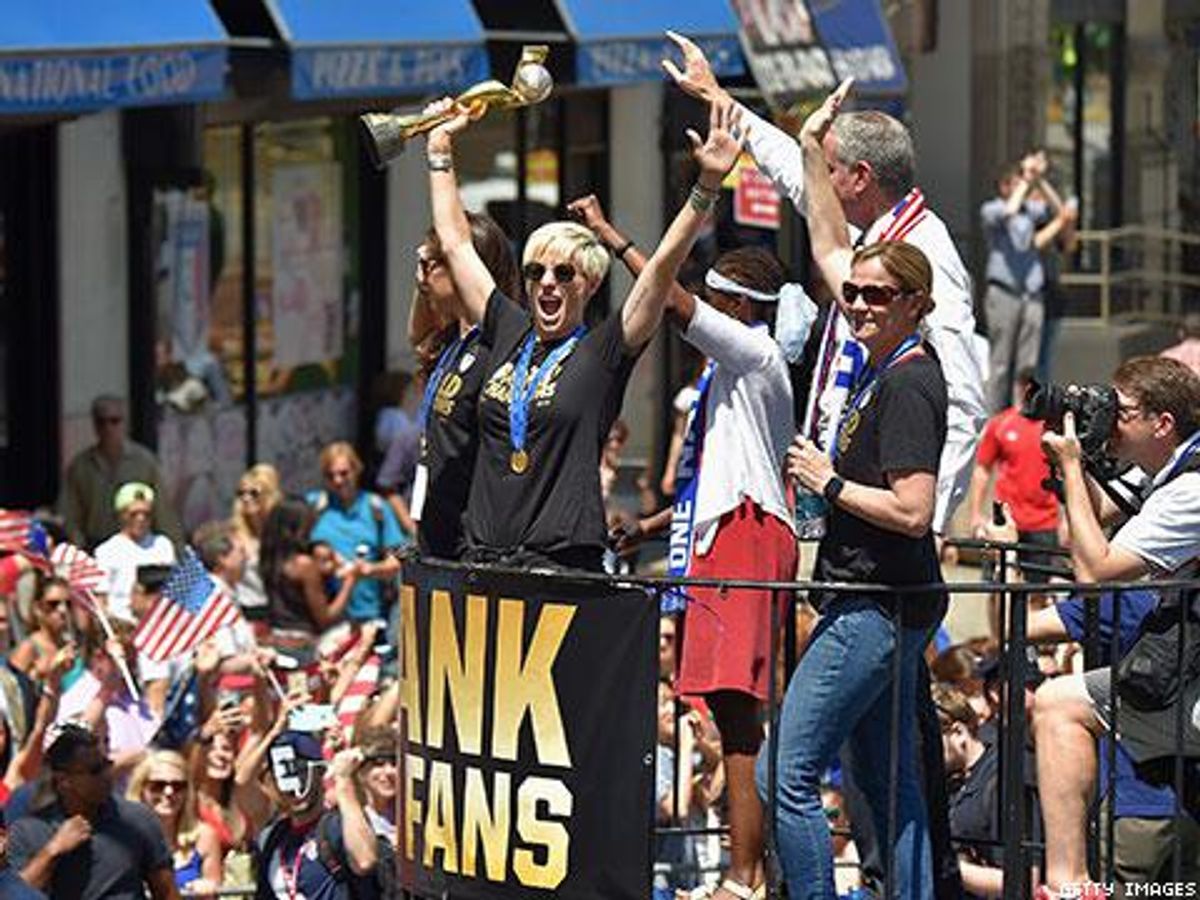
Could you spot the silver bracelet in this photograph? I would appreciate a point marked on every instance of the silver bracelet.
(440, 162)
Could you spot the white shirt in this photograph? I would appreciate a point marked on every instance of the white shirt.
(748, 421)
(950, 327)
(1166, 530)
(120, 557)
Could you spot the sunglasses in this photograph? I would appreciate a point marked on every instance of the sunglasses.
(872, 294)
(535, 271)
(158, 785)
(338, 473)
(249, 493)
(56, 604)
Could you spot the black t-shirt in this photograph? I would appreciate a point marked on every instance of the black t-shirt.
(901, 426)
(554, 508)
(451, 444)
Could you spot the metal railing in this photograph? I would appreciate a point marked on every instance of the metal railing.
(1021, 850)
(1138, 271)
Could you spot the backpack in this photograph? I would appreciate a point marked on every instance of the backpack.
(383, 886)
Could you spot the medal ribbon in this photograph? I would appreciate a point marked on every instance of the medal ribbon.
(446, 361)
(687, 480)
(870, 375)
(522, 393)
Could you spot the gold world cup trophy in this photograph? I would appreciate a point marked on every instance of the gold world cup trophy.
(387, 133)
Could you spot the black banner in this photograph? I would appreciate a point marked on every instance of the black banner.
(528, 712)
(785, 54)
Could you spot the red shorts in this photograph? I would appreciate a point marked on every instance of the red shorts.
(727, 636)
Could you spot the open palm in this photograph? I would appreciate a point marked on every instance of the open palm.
(726, 136)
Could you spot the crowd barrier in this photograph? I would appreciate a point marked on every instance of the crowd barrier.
(528, 726)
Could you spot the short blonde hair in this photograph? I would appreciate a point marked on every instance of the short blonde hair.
(574, 242)
(904, 262)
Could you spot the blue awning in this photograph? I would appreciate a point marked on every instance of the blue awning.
(859, 42)
(368, 48)
(622, 41)
(71, 55)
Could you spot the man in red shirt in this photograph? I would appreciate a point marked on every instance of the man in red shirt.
(1011, 446)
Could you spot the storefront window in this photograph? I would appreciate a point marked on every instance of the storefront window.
(198, 347)
(1084, 56)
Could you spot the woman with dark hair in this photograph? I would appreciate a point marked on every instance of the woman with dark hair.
(554, 387)
(38, 654)
(454, 359)
(298, 608)
(731, 517)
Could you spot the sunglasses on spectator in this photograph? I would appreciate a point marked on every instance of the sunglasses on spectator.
(138, 513)
(158, 785)
(56, 604)
(338, 473)
(250, 493)
(535, 271)
(872, 294)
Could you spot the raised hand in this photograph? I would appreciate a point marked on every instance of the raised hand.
(588, 211)
(441, 137)
(717, 154)
(818, 123)
(696, 78)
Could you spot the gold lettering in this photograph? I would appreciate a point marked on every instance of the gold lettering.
(414, 771)
(460, 674)
(439, 825)
(410, 677)
(551, 835)
(486, 825)
(529, 684)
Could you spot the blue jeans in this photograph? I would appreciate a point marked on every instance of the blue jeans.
(842, 691)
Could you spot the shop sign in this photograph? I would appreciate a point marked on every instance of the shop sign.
(781, 45)
(755, 200)
(629, 61)
(30, 84)
(323, 72)
(860, 44)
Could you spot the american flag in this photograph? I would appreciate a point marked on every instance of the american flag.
(82, 572)
(193, 607)
(358, 694)
(16, 530)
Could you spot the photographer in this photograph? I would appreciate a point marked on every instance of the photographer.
(1156, 428)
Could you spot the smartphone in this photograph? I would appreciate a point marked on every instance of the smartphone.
(228, 700)
(312, 717)
(997, 512)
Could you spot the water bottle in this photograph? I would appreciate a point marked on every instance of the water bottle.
(810, 514)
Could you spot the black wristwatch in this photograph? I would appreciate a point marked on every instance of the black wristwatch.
(833, 490)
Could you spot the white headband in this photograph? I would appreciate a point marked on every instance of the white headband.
(718, 282)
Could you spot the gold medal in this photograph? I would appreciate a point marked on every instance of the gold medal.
(519, 461)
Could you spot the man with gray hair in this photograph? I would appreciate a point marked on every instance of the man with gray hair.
(95, 473)
(872, 165)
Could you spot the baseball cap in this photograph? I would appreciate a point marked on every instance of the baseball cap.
(132, 492)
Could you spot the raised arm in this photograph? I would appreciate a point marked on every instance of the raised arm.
(643, 309)
(827, 226)
(472, 280)
(588, 211)
(774, 150)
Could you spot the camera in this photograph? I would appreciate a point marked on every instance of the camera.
(1093, 405)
